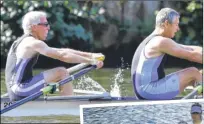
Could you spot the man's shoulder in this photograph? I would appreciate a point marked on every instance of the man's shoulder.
(31, 41)
(162, 41)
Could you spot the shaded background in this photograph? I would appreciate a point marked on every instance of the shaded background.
(114, 28)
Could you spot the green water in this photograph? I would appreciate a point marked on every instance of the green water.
(43, 119)
(105, 77)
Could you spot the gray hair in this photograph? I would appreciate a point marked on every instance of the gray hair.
(166, 14)
(31, 18)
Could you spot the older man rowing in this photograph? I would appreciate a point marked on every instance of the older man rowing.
(149, 79)
(24, 53)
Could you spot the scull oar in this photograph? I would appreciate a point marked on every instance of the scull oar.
(197, 90)
(47, 89)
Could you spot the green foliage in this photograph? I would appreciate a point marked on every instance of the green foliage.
(85, 25)
(69, 21)
(191, 23)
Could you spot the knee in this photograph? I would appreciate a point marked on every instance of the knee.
(62, 72)
(193, 69)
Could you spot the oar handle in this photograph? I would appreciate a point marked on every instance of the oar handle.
(76, 75)
(77, 67)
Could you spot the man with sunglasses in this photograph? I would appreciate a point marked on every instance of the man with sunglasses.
(147, 70)
(24, 53)
(196, 113)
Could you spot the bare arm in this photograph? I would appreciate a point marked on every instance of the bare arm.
(193, 48)
(60, 54)
(84, 54)
(170, 47)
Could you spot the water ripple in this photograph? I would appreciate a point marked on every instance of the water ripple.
(140, 114)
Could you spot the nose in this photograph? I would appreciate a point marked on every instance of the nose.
(48, 27)
(178, 29)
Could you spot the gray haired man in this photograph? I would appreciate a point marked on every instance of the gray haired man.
(24, 53)
(147, 71)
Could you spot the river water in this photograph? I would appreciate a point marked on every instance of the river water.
(171, 113)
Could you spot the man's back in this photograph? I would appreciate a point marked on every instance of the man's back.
(141, 64)
(18, 69)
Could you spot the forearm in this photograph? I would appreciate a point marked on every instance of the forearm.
(74, 58)
(196, 53)
(69, 57)
(192, 48)
(197, 57)
(84, 54)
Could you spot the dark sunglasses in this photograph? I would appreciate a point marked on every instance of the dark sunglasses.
(196, 113)
(44, 24)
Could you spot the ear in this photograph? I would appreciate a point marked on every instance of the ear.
(33, 28)
(166, 23)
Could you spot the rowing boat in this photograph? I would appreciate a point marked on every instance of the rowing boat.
(63, 105)
(59, 105)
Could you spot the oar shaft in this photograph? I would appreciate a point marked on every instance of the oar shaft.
(39, 93)
(20, 102)
(76, 75)
(196, 91)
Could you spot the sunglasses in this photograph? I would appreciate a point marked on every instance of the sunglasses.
(196, 113)
(44, 24)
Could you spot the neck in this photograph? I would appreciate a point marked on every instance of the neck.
(34, 35)
(160, 31)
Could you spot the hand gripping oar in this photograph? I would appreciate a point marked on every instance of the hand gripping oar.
(99, 57)
(48, 89)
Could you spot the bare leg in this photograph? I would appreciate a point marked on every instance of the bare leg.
(57, 74)
(188, 77)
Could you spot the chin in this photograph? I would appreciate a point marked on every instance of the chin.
(44, 38)
(172, 36)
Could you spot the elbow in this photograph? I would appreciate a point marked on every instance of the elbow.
(62, 57)
(55, 55)
(68, 58)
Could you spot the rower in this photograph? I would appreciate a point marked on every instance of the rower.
(23, 55)
(196, 113)
(147, 71)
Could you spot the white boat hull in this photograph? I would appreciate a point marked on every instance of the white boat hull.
(56, 105)
(43, 108)
(62, 105)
